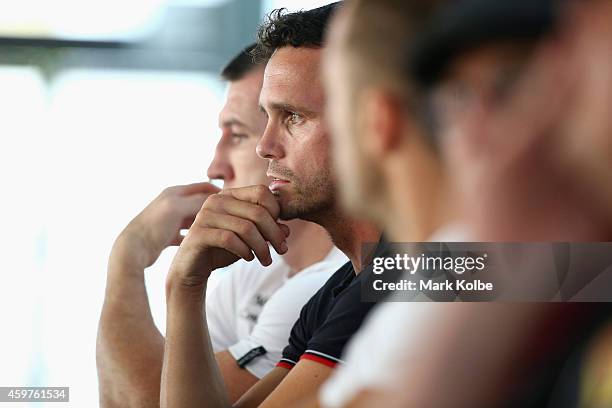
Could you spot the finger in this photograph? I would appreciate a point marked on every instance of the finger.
(227, 240)
(190, 205)
(260, 195)
(198, 188)
(267, 226)
(246, 230)
(284, 228)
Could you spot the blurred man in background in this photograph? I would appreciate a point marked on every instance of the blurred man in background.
(251, 310)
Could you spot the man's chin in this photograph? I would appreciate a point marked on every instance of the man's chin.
(302, 211)
(288, 212)
(295, 205)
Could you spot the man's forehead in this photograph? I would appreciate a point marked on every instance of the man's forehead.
(292, 74)
(306, 60)
(239, 110)
(486, 63)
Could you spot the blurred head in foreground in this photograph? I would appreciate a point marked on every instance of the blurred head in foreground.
(390, 171)
(390, 135)
(498, 79)
(242, 124)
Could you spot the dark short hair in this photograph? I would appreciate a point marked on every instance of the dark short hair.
(304, 28)
(240, 65)
(468, 24)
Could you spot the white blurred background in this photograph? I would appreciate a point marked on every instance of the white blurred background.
(102, 105)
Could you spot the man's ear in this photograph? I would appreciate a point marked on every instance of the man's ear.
(383, 121)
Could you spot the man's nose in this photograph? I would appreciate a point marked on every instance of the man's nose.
(220, 167)
(270, 146)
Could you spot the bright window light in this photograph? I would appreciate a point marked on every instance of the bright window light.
(77, 19)
(293, 5)
(79, 159)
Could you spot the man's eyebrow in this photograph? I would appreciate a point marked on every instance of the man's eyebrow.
(233, 122)
(287, 107)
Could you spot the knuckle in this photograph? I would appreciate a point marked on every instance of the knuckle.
(246, 228)
(167, 204)
(226, 238)
(211, 201)
(201, 217)
(196, 227)
(168, 190)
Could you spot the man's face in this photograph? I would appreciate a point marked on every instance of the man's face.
(483, 76)
(491, 166)
(296, 141)
(478, 84)
(359, 175)
(242, 124)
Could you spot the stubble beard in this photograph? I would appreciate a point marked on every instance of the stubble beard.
(309, 201)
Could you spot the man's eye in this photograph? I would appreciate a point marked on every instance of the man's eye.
(238, 138)
(294, 118)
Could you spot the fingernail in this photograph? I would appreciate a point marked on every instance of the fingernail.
(266, 261)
